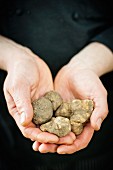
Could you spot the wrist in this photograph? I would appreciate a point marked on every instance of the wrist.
(95, 57)
(8, 53)
(13, 54)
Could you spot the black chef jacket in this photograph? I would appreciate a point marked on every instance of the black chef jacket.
(56, 30)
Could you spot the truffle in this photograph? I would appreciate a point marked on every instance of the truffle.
(76, 127)
(59, 126)
(55, 99)
(42, 109)
(64, 110)
(59, 117)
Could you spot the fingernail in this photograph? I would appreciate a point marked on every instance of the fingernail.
(23, 117)
(98, 123)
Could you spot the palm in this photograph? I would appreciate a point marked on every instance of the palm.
(28, 79)
(82, 84)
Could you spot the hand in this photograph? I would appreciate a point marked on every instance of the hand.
(80, 79)
(82, 84)
(28, 78)
(48, 147)
(72, 83)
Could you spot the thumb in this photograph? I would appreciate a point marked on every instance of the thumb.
(22, 99)
(100, 113)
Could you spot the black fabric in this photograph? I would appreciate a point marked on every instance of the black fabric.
(106, 38)
(100, 162)
(56, 30)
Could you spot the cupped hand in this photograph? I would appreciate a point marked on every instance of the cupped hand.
(28, 78)
(52, 147)
(80, 79)
(84, 83)
(77, 83)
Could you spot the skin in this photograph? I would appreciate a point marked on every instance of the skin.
(25, 82)
(29, 78)
(80, 79)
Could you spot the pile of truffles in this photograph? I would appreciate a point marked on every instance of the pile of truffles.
(55, 116)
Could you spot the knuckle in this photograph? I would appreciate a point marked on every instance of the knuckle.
(27, 133)
(11, 111)
(19, 105)
(28, 50)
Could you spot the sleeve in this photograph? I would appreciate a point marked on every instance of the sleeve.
(105, 37)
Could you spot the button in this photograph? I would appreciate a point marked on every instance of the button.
(76, 15)
(19, 12)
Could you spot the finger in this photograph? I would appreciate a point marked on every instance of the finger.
(80, 142)
(45, 148)
(46, 137)
(22, 99)
(34, 133)
(66, 149)
(29, 131)
(25, 116)
(100, 112)
(84, 138)
(36, 145)
(68, 139)
(10, 103)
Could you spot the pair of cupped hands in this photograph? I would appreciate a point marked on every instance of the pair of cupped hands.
(29, 78)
